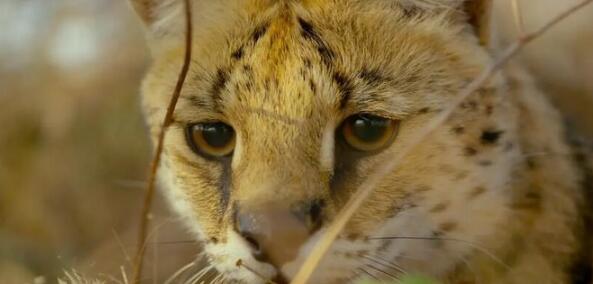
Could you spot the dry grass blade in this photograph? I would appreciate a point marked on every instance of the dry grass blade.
(149, 195)
(518, 16)
(368, 187)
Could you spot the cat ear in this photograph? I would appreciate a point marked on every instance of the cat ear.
(161, 17)
(157, 12)
(146, 10)
(475, 13)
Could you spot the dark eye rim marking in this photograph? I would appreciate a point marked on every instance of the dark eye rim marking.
(222, 182)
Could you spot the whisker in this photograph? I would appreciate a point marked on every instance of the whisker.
(368, 273)
(262, 277)
(122, 247)
(352, 277)
(469, 243)
(388, 264)
(113, 279)
(382, 271)
(217, 279)
(174, 242)
(155, 229)
(198, 276)
(470, 268)
(179, 272)
(460, 257)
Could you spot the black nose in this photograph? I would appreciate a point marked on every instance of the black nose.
(276, 232)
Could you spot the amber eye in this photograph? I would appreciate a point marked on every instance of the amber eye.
(215, 139)
(366, 132)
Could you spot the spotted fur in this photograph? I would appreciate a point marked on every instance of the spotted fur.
(493, 196)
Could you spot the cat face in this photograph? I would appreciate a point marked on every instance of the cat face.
(290, 106)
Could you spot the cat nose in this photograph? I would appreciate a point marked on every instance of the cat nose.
(276, 233)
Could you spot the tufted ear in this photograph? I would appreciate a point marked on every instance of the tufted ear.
(476, 13)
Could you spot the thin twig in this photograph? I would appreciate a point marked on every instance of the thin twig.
(361, 195)
(149, 195)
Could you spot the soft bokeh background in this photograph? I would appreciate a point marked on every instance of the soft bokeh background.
(74, 150)
(73, 147)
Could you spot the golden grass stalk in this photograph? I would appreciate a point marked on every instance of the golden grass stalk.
(518, 16)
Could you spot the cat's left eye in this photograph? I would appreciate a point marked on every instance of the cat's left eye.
(212, 139)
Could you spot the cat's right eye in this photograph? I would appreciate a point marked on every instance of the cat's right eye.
(211, 139)
(365, 132)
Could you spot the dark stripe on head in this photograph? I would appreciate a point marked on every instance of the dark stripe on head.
(259, 32)
(307, 30)
(372, 77)
(199, 101)
(309, 33)
(313, 86)
(237, 54)
(218, 85)
(345, 87)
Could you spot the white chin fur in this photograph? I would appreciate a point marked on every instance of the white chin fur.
(226, 255)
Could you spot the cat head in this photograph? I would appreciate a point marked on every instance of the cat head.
(290, 106)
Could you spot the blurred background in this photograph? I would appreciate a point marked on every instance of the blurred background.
(74, 150)
(73, 147)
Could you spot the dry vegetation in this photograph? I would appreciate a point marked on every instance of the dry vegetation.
(73, 148)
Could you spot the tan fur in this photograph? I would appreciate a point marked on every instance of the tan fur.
(497, 180)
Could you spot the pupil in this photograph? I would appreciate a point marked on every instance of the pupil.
(369, 129)
(217, 135)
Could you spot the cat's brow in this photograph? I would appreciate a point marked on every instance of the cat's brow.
(368, 90)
